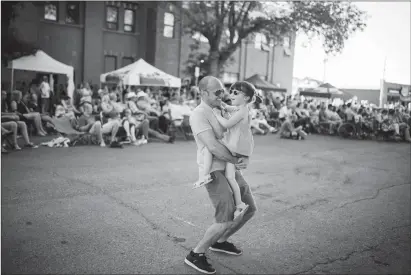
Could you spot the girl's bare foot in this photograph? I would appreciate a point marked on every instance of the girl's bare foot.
(240, 211)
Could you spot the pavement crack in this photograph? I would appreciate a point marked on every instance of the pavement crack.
(344, 258)
(153, 225)
(369, 198)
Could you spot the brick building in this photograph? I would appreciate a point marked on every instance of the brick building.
(96, 37)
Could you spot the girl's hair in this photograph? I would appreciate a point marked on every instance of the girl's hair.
(246, 87)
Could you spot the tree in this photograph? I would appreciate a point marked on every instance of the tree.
(226, 23)
(12, 46)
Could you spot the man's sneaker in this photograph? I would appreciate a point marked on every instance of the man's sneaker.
(199, 262)
(226, 247)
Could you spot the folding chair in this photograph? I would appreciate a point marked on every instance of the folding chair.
(180, 127)
(64, 127)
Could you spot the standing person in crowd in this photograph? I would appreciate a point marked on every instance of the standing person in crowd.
(207, 131)
(45, 95)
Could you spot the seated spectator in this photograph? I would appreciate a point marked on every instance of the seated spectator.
(66, 108)
(303, 117)
(287, 129)
(14, 127)
(87, 123)
(258, 119)
(133, 127)
(18, 107)
(142, 116)
(285, 111)
(324, 119)
(401, 128)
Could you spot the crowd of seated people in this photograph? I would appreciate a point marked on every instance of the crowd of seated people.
(295, 118)
(137, 114)
(140, 113)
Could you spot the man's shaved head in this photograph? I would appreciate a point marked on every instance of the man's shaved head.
(210, 83)
(208, 86)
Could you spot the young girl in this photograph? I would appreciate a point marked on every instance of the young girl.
(238, 139)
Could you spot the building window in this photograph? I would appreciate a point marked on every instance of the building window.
(287, 45)
(230, 77)
(235, 38)
(112, 18)
(128, 20)
(73, 12)
(51, 11)
(110, 63)
(260, 42)
(185, 5)
(168, 25)
(126, 61)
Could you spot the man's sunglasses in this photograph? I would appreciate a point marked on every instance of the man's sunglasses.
(219, 92)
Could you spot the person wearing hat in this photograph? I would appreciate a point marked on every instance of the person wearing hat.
(143, 120)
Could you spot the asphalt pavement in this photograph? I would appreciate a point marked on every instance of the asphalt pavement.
(325, 205)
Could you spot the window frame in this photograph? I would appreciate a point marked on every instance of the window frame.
(56, 4)
(78, 3)
(132, 25)
(107, 23)
(126, 58)
(115, 62)
(167, 25)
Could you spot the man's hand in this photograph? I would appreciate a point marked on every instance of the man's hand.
(242, 163)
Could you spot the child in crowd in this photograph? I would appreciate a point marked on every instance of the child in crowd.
(130, 124)
(238, 139)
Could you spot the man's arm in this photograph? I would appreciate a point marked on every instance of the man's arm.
(215, 147)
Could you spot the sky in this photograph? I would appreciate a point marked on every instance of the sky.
(361, 64)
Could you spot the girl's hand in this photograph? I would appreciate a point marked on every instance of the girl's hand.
(217, 112)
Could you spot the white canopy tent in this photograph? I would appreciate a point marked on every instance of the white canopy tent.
(141, 73)
(42, 62)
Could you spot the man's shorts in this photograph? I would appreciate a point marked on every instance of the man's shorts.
(222, 198)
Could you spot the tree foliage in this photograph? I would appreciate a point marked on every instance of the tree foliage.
(12, 46)
(226, 23)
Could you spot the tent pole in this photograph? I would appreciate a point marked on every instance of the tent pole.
(12, 80)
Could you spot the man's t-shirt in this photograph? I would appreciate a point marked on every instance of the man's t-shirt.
(45, 90)
(203, 119)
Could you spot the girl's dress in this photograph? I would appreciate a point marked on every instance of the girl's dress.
(239, 138)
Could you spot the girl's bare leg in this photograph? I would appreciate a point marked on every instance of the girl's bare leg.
(241, 207)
